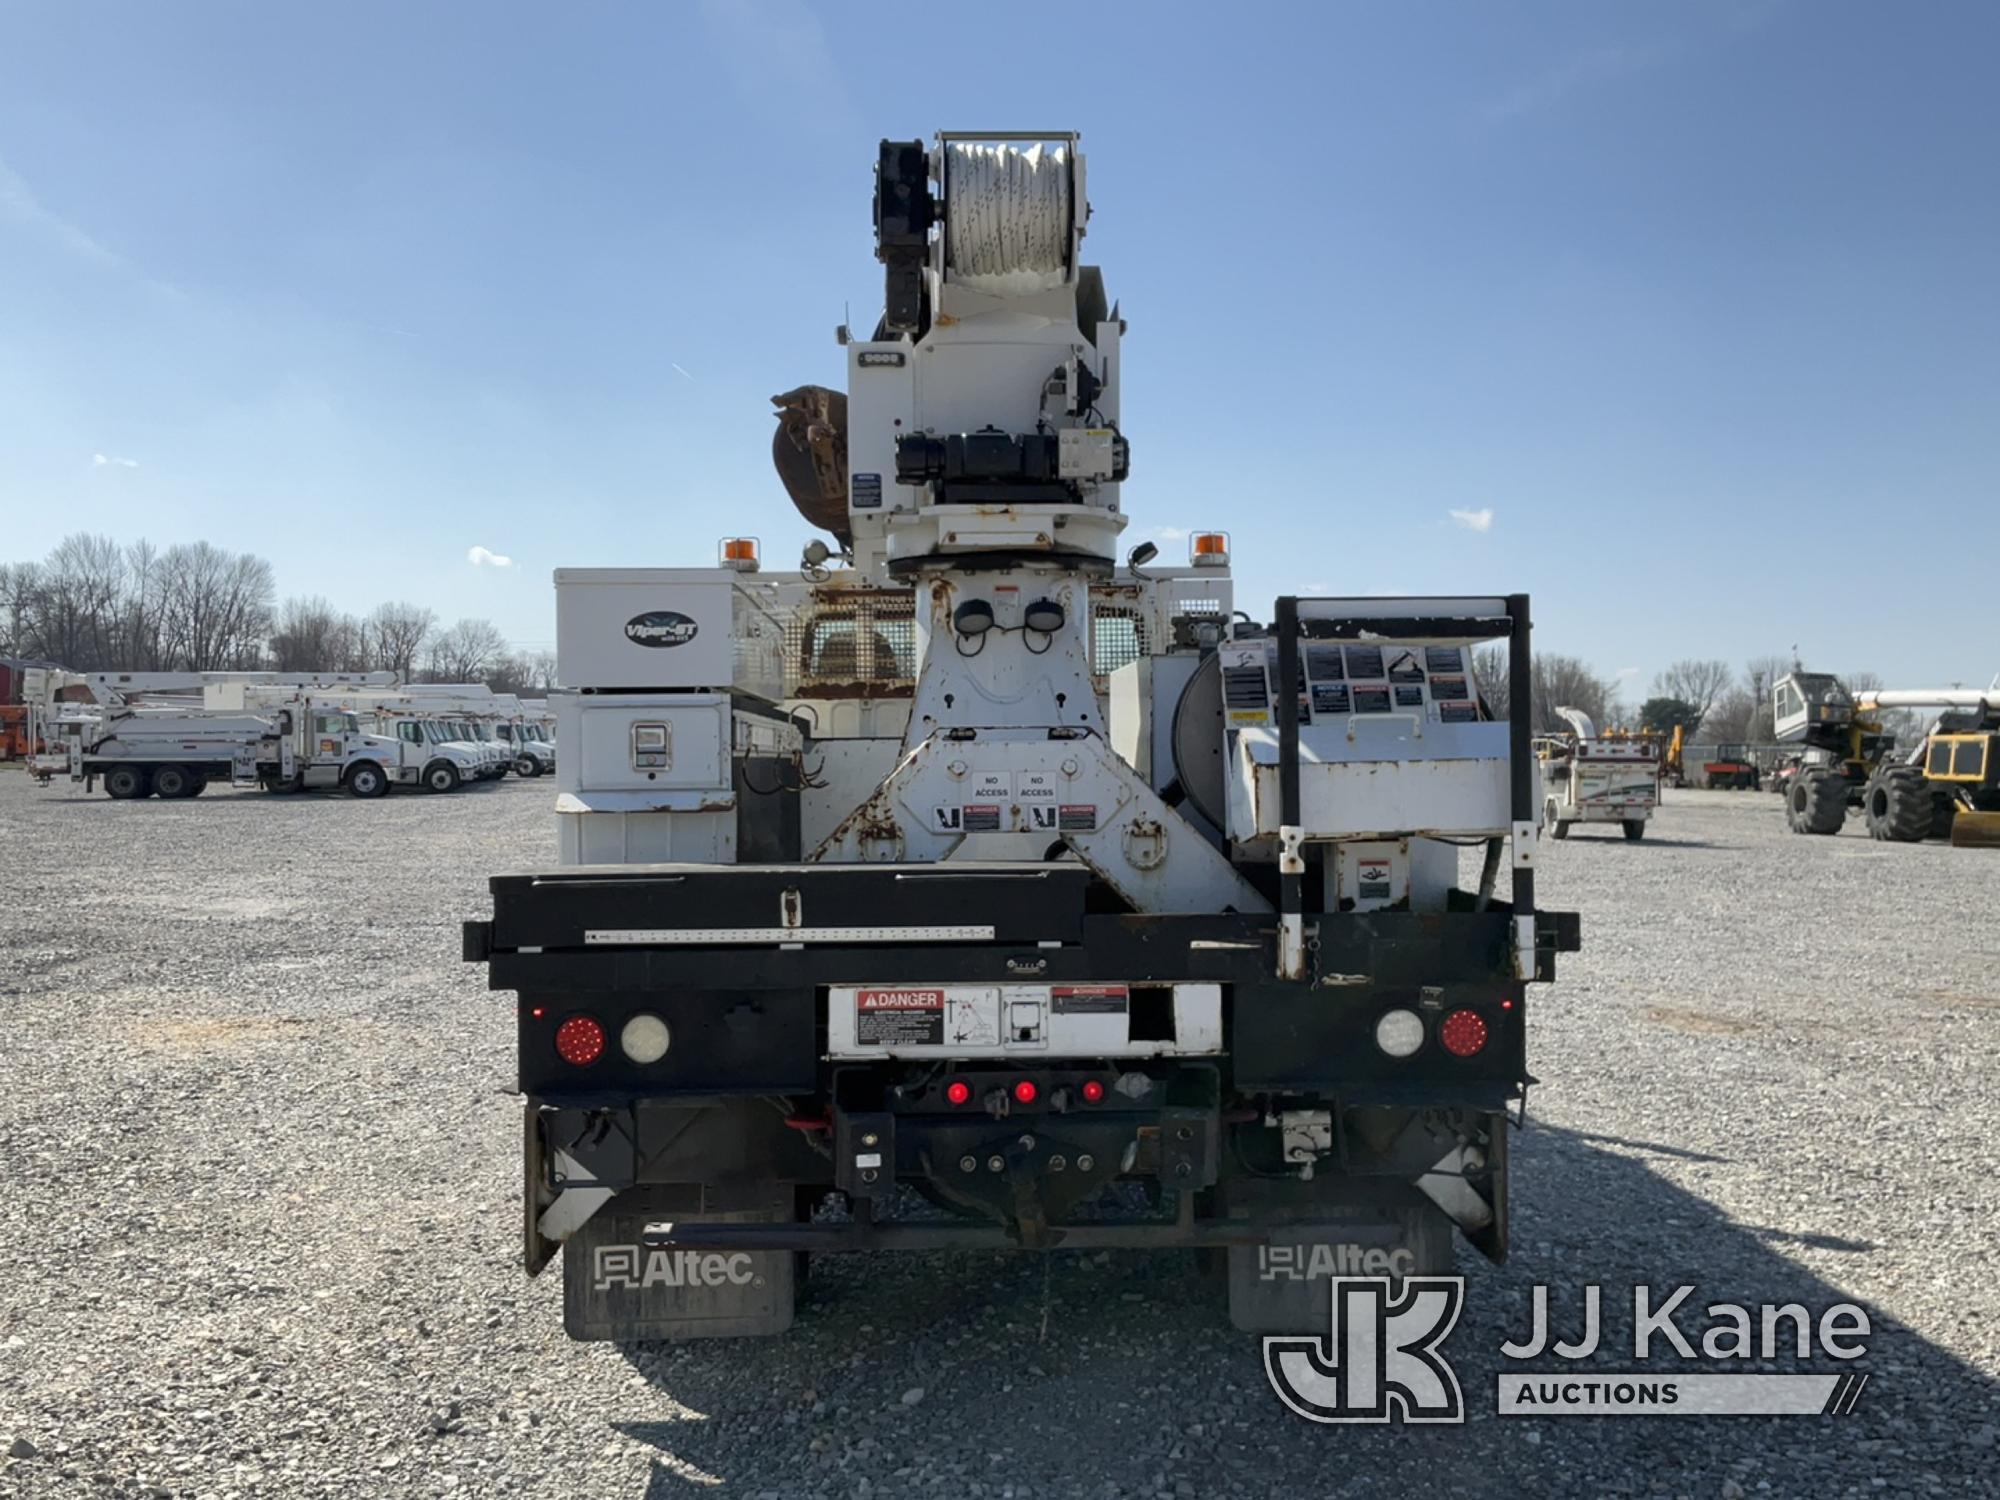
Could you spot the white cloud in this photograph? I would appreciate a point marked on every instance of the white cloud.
(479, 557)
(1626, 674)
(1171, 533)
(110, 461)
(1475, 520)
(684, 372)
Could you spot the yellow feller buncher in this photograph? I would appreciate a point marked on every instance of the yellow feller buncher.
(1948, 786)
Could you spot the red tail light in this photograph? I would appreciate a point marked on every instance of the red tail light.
(580, 1041)
(1093, 1091)
(1025, 1091)
(958, 1091)
(1463, 1033)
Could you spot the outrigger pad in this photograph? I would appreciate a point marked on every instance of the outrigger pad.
(614, 1287)
(1286, 1284)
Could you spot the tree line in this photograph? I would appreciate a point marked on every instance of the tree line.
(1708, 699)
(94, 605)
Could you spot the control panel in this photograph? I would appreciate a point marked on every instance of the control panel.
(1342, 680)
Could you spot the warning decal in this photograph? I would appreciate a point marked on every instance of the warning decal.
(1088, 999)
(974, 1017)
(1077, 817)
(911, 1017)
(982, 817)
(1374, 879)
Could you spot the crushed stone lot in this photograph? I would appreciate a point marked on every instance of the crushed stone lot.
(263, 1232)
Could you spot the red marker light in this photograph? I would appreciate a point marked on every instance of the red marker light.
(538, 1012)
(1463, 1033)
(1093, 1091)
(1025, 1091)
(958, 1091)
(580, 1041)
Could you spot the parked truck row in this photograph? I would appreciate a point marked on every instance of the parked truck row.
(173, 734)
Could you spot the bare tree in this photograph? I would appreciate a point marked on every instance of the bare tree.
(16, 594)
(1489, 671)
(1732, 717)
(1566, 682)
(539, 671)
(1696, 682)
(466, 652)
(311, 635)
(1558, 682)
(397, 634)
(215, 608)
(140, 630)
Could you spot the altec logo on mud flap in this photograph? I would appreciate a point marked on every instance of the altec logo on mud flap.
(1380, 1359)
(635, 1268)
(1314, 1262)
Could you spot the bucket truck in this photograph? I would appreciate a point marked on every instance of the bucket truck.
(164, 734)
(969, 887)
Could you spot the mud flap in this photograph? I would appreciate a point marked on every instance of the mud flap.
(614, 1287)
(1285, 1285)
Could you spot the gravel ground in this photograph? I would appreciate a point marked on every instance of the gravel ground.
(262, 1185)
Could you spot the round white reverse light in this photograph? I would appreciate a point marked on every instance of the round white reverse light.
(645, 1038)
(1399, 1032)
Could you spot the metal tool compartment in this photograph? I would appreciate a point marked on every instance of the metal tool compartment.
(627, 629)
(649, 743)
(1383, 776)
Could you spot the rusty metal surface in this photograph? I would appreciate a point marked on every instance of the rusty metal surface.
(809, 450)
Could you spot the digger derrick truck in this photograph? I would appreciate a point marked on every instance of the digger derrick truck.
(968, 888)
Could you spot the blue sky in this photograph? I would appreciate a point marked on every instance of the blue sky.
(1690, 311)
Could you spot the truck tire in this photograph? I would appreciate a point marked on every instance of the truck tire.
(1552, 822)
(173, 783)
(1817, 803)
(125, 783)
(1898, 806)
(440, 776)
(527, 768)
(367, 780)
(1635, 829)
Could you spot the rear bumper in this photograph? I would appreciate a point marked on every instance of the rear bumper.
(742, 963)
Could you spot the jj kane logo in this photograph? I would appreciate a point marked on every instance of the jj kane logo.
(660, 627)
(1381, 1361)
(1380, 1357)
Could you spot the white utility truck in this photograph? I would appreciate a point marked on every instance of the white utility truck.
(151, 737)
(526, 735)
(968, 887)
(411, 748)
(1588, 778)
(471, 711)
